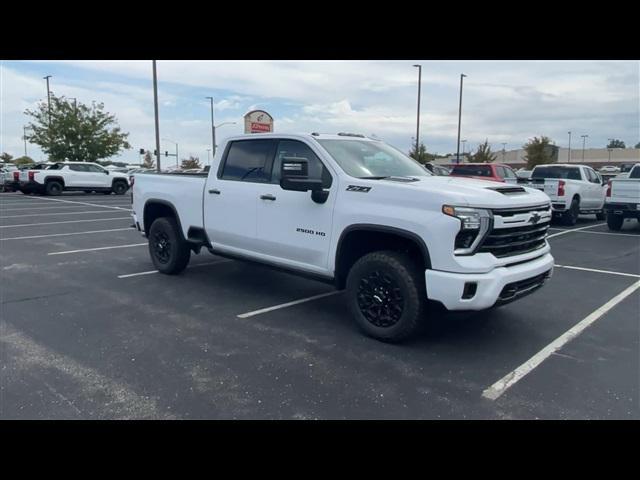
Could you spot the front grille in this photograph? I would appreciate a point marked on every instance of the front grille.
(505, 242)
(510, 212)
(517, 289)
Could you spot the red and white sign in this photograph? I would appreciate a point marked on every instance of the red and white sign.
(258, 121)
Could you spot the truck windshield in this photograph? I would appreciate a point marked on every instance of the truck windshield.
(367, 159)
(569, 173)
(472, 171)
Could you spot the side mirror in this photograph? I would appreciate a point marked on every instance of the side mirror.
(294, 176)
(106, 172)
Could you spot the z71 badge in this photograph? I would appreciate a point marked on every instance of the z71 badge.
(358, 188)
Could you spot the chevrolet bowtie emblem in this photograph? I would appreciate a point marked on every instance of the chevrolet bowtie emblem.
(535, 218)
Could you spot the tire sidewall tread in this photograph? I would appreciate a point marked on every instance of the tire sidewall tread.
(180, 251)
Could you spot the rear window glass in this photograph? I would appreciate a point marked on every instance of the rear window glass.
(568, 173)
(472, 170)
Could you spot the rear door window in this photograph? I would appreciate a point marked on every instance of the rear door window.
(249, 161)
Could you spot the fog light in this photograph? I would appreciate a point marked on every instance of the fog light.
(469, 290)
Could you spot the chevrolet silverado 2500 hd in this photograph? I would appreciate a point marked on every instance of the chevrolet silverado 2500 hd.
(358, 213)
(83, 176)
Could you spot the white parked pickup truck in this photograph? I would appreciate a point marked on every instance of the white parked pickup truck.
(356, 213)
(623, 199)
(83, 176)
(573, 189)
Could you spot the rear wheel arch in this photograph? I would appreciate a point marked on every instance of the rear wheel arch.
(154, 209)
(360, 239)
(54, 179)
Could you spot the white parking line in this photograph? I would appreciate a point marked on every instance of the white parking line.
(98, 248)
(66, 221)
(597, 271)
(149, 272)
(613, 234)
(288, 304)
(575, 230)
(501, 386)
(48, 207)
(65, 234)
(84, 203)
(55, 213)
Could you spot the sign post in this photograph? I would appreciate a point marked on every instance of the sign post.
(258, 121)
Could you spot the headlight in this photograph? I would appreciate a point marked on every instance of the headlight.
(475, 223)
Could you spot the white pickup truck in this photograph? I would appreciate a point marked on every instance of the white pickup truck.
(623, 199)
(573, 190)
(359, 214)
(83, 176)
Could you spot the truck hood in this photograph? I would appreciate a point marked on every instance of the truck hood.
(466, 191)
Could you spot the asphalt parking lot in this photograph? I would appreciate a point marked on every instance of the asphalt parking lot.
(88, 330)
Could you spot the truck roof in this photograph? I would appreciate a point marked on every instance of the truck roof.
(314, 135)
(560, 165)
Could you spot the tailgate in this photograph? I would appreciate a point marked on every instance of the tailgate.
(548, 186)
(625, 190)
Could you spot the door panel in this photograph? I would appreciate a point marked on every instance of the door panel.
(290, 225)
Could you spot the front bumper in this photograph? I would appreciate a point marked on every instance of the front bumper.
(500, 285)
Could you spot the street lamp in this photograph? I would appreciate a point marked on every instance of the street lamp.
(584, 139)
(462, 75)
(176, 144)
(218, 126)
(569, 152)
(48, 98)
(213, 129)
(504, 145)
(24, 131)
(419, 67)
(155, 106)
(464, 142)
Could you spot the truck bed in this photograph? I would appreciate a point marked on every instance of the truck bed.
(182, 190)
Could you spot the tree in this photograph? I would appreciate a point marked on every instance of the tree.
(148, 161)
(22, 160)
(616, 144)
(483, 154)
(5, 157)
(191, 162)
(539, 151)
(78, 133)
(422, 156)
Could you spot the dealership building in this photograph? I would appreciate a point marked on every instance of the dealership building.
(594, 157)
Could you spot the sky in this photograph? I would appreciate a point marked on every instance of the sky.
(503, 101)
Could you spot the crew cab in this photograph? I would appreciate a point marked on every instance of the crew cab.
(83, 176)
(8, 181)
(495, 172)
(573, 190)
(359, 214)
(623, 199)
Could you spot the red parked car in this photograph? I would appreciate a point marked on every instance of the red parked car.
(485, 171)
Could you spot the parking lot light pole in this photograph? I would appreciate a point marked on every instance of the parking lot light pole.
(24, 136)
(155, 106)
(569, 152)
(213, 129)
(464, 144)
(462, 75)
(48, 98)
(504, 146)
(418, 115)
(584, 139)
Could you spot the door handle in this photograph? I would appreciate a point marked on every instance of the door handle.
(267, 197)
(215, 190)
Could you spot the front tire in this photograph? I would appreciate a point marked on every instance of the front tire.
(169, 252)
(53, 188)
(386, 295)
(614, 222)
(120, 188)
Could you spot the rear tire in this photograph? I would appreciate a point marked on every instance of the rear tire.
(570, 218)
(614, 222)
(169, 252)
(53, 188)
(386, 295)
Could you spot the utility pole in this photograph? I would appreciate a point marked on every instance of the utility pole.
(584, 139)
(569, 152)
(418, 116)
(504, 145)
(462, 75)
(213, 130)
(48, 98)
(24, 132)
(155, 105)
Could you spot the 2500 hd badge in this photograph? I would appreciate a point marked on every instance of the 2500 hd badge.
(310, 232)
